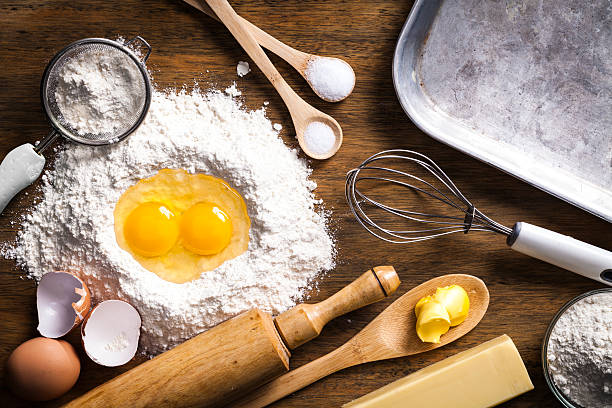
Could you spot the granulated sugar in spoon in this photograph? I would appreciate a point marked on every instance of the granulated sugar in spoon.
(332, 79)
(319, 135)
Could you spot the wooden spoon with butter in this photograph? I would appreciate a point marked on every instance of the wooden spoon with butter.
(391, 334)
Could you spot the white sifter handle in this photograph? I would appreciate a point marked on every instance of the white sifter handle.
(19, 169)
(562, 251)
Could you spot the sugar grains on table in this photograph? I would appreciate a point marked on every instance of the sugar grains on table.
(242, 68)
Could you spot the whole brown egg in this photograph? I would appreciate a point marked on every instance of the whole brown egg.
(42, 369)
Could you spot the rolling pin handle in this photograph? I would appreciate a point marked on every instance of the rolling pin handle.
(304, 322)
(387, 277)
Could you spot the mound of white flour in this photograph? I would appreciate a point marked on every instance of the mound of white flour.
(71, 228)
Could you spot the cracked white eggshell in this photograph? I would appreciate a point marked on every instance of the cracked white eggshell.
(110, 333)
(62, 300)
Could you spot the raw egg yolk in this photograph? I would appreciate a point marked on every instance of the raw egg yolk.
(205, 229)
(151, 229)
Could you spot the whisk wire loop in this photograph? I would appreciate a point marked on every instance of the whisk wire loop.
(441, 189)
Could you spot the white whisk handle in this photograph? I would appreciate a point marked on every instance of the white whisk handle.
(19, 169)
(562, 251)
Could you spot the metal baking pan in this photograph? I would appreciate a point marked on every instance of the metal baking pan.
(525, 86)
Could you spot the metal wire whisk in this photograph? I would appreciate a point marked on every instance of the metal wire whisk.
(554, 248)
(443, 190)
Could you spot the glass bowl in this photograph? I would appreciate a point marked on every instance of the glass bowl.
(549, 380)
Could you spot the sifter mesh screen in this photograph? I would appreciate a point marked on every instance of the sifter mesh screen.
(139, 87)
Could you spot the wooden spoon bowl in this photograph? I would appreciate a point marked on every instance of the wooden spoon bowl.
(300, 61)
(391, 334)
(304, 116)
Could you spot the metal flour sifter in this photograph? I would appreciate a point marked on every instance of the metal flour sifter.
(22, 165)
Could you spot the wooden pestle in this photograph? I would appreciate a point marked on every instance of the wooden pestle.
(235, 357)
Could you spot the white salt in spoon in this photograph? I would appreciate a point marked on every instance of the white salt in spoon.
(319, 135)
(332, 79)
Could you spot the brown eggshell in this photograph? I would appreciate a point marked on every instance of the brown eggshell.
(42, 369)
(81, 307)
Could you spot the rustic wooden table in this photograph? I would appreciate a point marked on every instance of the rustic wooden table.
(189, 46)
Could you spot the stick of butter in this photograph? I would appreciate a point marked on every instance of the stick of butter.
(481, 377)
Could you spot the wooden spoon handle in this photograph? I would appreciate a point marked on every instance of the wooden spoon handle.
(297, 59)
(203, 7)
(299, 378)
(304, 322)
(234, 24)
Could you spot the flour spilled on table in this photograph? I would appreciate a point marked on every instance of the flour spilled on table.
(71, 227)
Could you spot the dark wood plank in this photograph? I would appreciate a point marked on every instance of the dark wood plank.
(188, 46)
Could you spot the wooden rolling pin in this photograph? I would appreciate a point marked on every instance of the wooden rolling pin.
(233, 358)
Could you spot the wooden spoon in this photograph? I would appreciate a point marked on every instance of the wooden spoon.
(301, 112)
(297, 59)
(391, 334)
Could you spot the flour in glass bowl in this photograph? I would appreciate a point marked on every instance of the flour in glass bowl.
(579, 351)
(71, 226)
